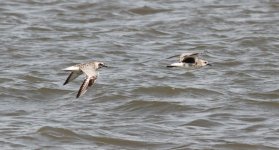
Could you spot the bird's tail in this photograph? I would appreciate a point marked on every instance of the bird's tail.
(176, 65)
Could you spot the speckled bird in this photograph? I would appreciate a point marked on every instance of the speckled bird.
(189, 60)
(90, 69)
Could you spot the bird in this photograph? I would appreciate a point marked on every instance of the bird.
(188, 60)
(89, 69)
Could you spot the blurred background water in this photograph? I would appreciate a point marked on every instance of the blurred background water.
(138, 103)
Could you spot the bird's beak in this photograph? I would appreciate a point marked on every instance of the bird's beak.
(105, 66)
(209, 64)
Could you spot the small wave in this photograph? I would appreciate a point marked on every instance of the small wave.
(220, 115)
(41, 93)
(153, 106)
(253, 128)
(170, 91)
(81, 6)
(14, 113)
(259, 102)
(33, 78)
(11, 145)
(156, 32)
(201, 91)
(236, 145)
(272, 95)
(271, 104)
(66, 134)
(252, 119)
(252, 41)
(231, 63)
(49, 91)
(238, 74)
(39, 28)
(147, 10)
(43, 3)
(124, 142)
(82, 20)
(14, 14)
(159, 90)
(57, 133)
(203, 123)
(232, 6)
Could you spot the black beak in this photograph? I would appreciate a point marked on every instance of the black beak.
(209, 64)
(105, 66)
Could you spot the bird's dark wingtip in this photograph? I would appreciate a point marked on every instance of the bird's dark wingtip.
(68, 78)
(170, 66)
(172, 56)
(80, 89)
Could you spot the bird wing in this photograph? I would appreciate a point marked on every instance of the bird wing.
(189, 54)
(173, 56)
(72, 68)
(91, 76)
(72, 76)
(185, 57)
(89, 81)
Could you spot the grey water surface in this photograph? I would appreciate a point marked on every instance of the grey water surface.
(138, 103)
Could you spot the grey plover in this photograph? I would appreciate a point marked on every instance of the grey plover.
(189, 60)
(89, 69)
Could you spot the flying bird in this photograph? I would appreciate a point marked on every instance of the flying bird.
(189, 60)
(90, 69)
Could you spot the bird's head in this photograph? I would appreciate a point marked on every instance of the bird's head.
(100, 65)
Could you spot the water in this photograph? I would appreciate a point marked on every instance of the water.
(138, 103)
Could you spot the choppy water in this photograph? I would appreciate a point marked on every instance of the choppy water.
(138, 103)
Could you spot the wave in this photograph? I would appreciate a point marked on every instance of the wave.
(153, 106)
(162, 91)
(203, 123)
(56, 133)
(147, 10)
(239, 145)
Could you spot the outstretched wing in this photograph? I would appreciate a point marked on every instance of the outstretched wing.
(72, 68)
(91, 76)
(89, 81)
(173, 56)
(188, 57)
(72, 76)
(184, 56)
